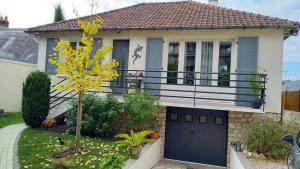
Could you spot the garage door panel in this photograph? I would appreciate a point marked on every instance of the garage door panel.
(187, 134)
(203, 136)
(173, 139)
(203, 133)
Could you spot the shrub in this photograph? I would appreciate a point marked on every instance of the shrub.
(36, 98)
(98, 113)
(49, 123)
(141, 107)
(265, 137)
(112, 161)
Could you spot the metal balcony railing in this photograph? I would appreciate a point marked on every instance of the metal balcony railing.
(238, 89)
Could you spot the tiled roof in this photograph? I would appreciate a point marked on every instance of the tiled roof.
(17, 45)
(174, 15)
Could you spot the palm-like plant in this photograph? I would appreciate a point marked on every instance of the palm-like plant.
(134, 139)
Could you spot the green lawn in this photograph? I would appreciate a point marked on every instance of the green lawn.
(36, 148)
(10, 118)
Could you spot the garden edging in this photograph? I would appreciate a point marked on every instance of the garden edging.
(238, 160)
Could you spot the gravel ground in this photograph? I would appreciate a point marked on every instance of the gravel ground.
(264, 164)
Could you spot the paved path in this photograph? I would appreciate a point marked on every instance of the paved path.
(8, 136)
(168, 164)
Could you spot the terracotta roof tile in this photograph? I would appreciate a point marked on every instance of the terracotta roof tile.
(174, 15)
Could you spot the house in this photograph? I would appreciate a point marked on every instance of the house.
(18, 57)
(199, 61)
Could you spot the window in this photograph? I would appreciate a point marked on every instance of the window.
(173, 63)
(73, 45)
(188, 118)
(219, 120)
(174, 116)
(224, 64)
(189, 62)
(203, 119)
(206, 63)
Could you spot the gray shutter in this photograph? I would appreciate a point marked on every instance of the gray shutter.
(153, 63)
(97, 44)
(50, 69)
(246, 63)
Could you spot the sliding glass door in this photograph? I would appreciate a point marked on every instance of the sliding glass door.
(224, 64)
(189, 62)
(206, 63)
(173, 56)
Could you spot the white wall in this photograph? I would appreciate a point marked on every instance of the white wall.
(269, 54)
(149, 157)
(12, 75)
(238, 160)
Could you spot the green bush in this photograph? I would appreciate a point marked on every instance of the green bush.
(141, 107)
(265, 137)
(112, 161)
(98, 113)
(36, 98)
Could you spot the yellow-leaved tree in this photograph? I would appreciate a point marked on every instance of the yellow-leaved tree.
(83, 71)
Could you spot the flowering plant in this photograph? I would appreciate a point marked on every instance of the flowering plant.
(49, 122)
(135, 79)
(136, 74)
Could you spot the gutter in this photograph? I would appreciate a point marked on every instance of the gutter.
(294, 29)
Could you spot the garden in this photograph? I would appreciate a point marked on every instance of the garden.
(87, 137)
(264, 147)
(10, 118)
(50, 144)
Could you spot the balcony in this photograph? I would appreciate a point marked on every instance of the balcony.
(219, 91)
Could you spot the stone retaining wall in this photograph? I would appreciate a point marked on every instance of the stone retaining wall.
(239, 124)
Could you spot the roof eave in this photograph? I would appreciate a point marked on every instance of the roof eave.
(295, 28)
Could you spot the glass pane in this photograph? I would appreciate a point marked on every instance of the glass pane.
(219, 120)
(173, 63)
(206, 62)
(224, 64)
(188, 118)
(173, 116)
(73, 45)
(189, 62)
(203, 119)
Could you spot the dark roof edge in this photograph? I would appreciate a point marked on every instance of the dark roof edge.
(295, 28)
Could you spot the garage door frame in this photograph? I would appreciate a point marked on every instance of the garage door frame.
(192, 142)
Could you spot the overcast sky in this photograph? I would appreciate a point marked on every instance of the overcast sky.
(28, 13)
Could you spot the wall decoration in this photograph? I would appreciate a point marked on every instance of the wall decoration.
(136, 55)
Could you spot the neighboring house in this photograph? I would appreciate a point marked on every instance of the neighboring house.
(197, 59)
(291, 85)
(18, 57)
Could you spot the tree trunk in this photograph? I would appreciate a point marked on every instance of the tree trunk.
(78, 124)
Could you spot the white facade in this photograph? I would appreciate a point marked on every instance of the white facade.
(270, 51)
(13, 74)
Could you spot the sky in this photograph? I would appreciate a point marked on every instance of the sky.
(29, 13)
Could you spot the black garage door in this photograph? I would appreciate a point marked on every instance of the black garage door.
(196, 135)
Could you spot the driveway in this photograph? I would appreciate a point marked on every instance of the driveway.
(169, 164)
